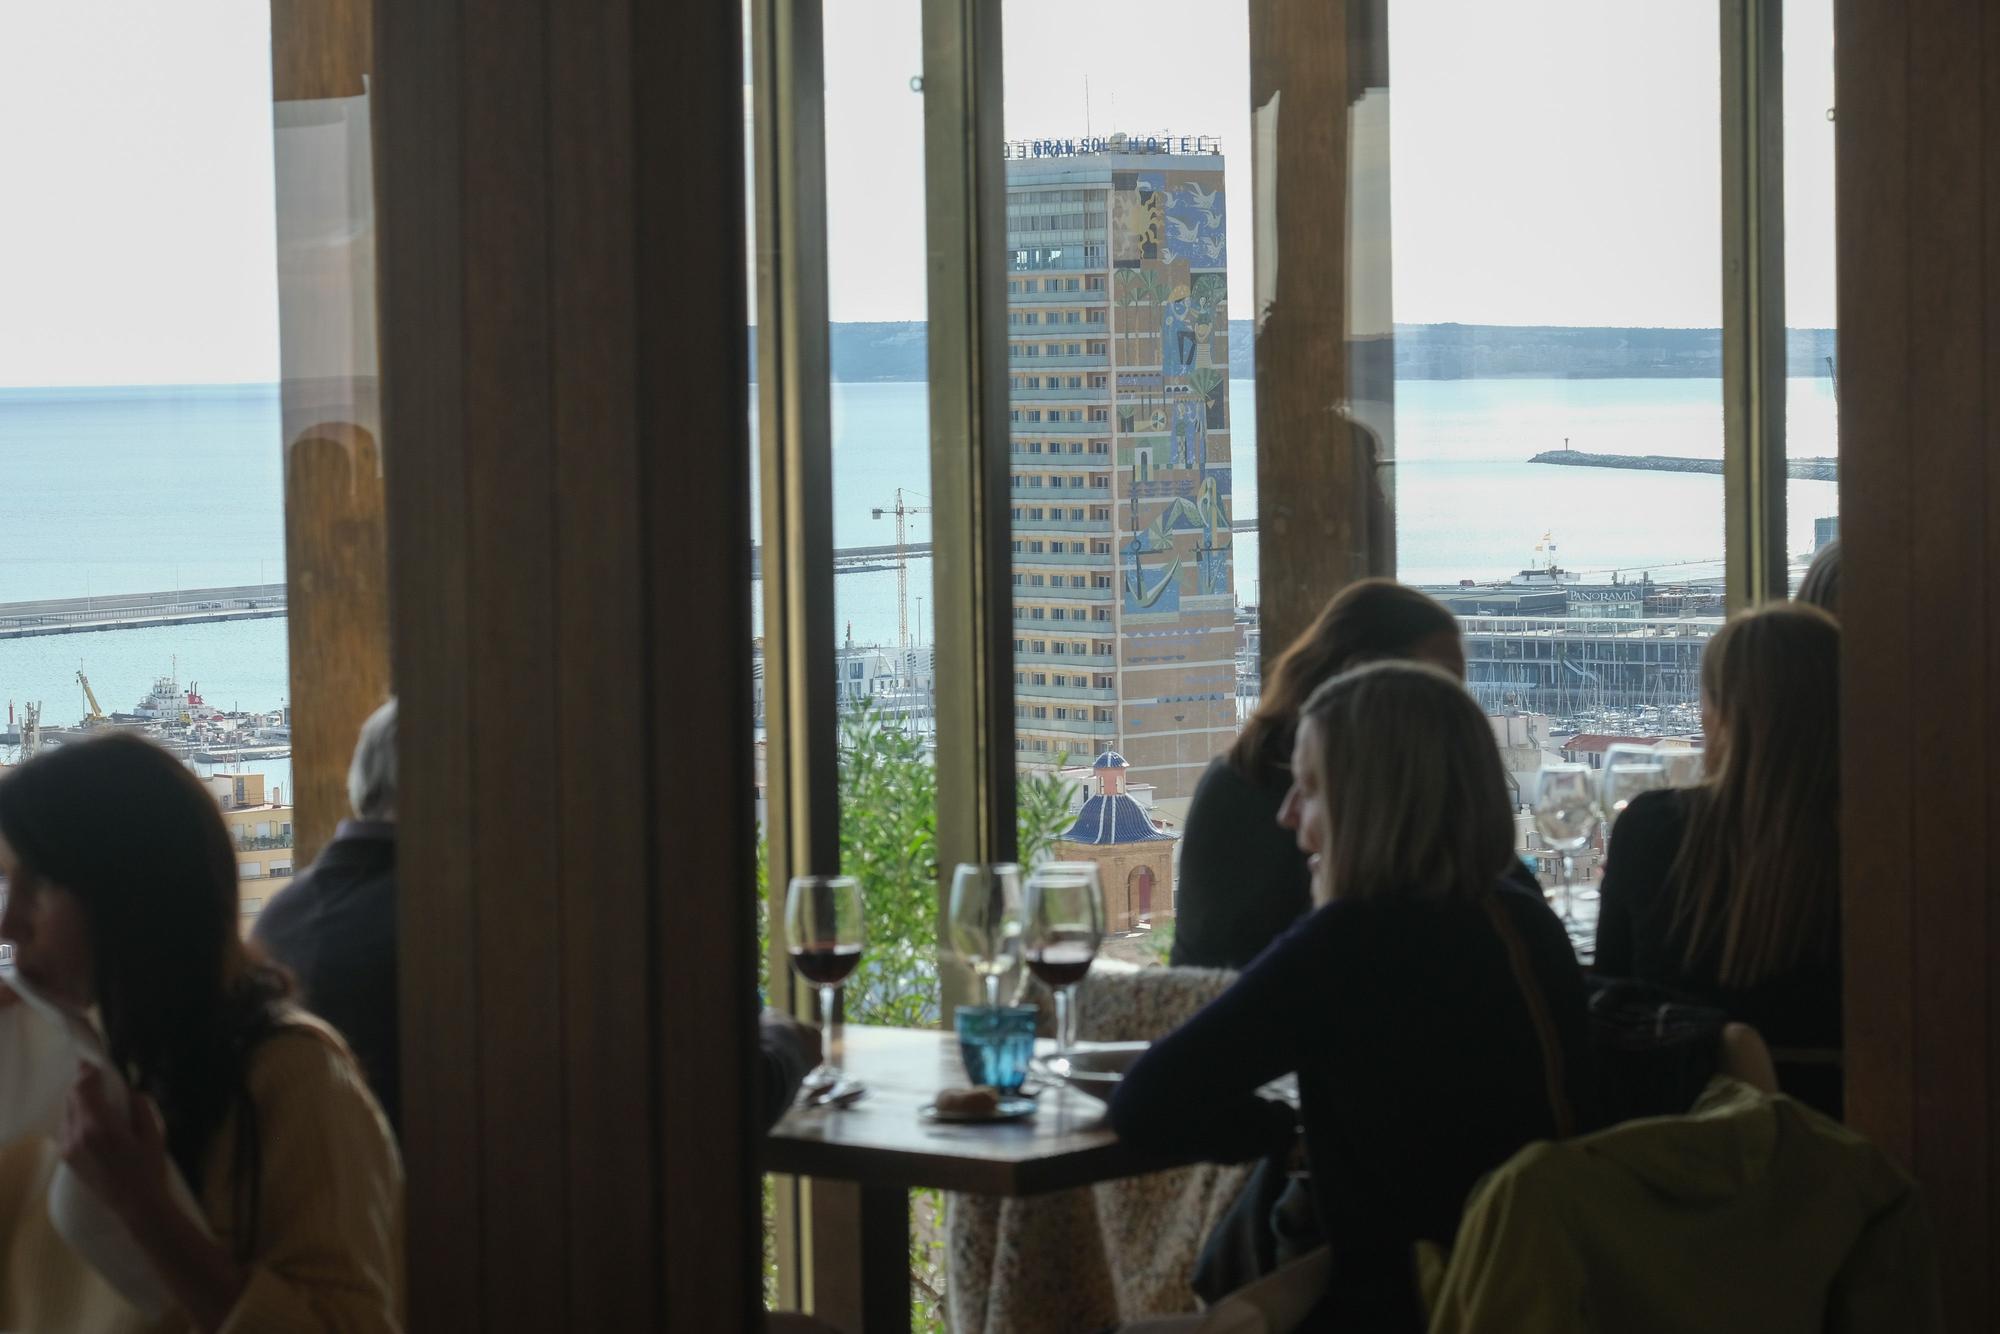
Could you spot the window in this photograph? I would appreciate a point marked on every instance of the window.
(1100, 614)
(1096, 512)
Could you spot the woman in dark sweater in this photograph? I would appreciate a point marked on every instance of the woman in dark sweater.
(1241, 881)
(1435, 1018)
(1730, 892)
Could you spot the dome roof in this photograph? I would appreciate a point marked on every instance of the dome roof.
(1113, 818)
(1110, 759)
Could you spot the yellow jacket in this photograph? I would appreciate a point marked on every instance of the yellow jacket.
(329, 1254)
(1753, 1213)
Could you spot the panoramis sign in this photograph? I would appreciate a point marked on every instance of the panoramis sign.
(1117, 143)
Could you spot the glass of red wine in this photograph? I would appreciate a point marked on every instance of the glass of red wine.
(823, 923)
(1063, 926)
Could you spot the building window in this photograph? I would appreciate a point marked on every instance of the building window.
(1034, 613)
(1062, 711)
(1098, 512)
(1100, 548)
(1094, 283)
(1104, 683)
(1100, 446)
(1100, 613)
(1103, 580)
(1041, 711)
(1062, 648)
(1097, 348)
(1041, 646)
(1096, 316)
(1035, 547)
(1075, 349)
(1100, 414)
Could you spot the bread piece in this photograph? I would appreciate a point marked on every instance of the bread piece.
(980, 1101)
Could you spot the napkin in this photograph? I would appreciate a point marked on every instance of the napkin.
(40, 1045)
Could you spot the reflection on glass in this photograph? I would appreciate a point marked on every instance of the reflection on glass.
(1559, 427)
(1812, 390)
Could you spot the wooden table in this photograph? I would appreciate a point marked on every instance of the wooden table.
(882, 1146)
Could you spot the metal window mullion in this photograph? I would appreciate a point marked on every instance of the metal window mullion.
(965, 217)
(1753, 301)
(794, 446)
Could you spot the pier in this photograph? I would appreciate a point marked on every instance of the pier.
(863, 560)
(134, 611)
(1805, 470)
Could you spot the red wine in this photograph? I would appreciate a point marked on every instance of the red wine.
(1062, 963)
(825, 965)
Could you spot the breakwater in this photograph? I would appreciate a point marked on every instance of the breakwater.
(1807, 469)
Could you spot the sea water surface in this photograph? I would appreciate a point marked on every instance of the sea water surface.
(108, 490)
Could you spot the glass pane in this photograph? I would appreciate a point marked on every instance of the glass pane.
(1133, 419)
(140, 418)
(1556, 183)
(1812, 429)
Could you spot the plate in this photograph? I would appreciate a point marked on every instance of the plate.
(1094, 1069)
(1010, 1109)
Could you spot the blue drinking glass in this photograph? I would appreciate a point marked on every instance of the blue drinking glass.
(996, 1042)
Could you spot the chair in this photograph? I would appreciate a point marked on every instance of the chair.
(1084, 1259)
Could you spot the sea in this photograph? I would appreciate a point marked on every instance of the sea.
(141, 489)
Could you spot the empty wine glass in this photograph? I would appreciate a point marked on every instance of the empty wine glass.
(824, 928)
(1684, 766)
(1062, 928)
(1566, 813)
(984, 919)
(1628, 771)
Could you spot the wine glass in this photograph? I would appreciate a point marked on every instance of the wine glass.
(1063, 925)
(1566, 813)
(1683, 766)
(823, 923)
(1628, 771)
(985, 920)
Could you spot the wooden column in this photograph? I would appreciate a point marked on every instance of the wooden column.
(335, 530)
(562, 276)
(1918, 141)
(1326, 514)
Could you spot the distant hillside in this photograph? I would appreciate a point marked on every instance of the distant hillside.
(896, 351)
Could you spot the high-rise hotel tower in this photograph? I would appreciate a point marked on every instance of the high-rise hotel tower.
(1118, 333)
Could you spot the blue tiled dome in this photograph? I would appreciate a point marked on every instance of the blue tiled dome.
(1110, 759)
(1112, 819)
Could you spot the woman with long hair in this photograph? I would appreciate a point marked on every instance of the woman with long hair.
(121, 908)
(1433, 1011)
(1730, 891)
(1242, 882)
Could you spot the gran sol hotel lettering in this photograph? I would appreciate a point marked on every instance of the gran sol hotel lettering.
(1123, 559)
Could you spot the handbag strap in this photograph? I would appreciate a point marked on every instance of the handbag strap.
(1538, 1015)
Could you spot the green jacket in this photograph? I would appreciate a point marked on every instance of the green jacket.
(1752, 1213)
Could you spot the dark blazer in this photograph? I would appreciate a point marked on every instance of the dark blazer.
(1420, 1070)
(334, 927)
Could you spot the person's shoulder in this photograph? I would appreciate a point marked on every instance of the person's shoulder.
(1664, 810)
(302, 1057)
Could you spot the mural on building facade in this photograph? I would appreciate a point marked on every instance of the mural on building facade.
(1169, 256)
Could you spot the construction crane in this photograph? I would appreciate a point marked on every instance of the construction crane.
(95, 718)
(902, 511)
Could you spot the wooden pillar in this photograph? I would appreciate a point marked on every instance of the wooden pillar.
(1918, 142)
(1325, 366)
(335, 529)
(563, 332)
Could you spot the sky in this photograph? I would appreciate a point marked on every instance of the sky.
(1553, 162)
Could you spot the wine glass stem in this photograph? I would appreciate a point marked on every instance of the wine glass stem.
(1568, 871)
(826, 995)
(993, 990)
(1062, 1022)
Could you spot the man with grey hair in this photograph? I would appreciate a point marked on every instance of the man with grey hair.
(334, 926)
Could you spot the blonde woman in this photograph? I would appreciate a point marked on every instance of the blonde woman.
(1730, 891)
(1434, 1014)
